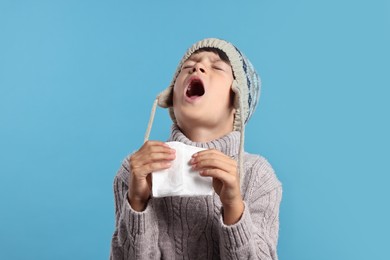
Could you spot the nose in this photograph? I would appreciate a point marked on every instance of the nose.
(199, 67)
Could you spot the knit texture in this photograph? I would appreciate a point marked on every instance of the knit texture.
(192, 227)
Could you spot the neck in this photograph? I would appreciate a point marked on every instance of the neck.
(228, 144)
(204, 133)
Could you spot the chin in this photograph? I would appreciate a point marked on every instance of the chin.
(190, 120)
(186, 112)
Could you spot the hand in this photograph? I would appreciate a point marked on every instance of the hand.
(152, 156)
(226, 181)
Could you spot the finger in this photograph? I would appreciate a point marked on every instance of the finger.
(228, 179)
(156, 147)
(145, 159)
(157, 156)
(151, 154)
(209, 162)
(213, 154)
(213, 158)
(154, 143)
(207, 152)
(146, 169)
(210, 151)
(217, 164)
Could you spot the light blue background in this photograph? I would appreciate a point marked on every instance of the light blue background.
(78, 78)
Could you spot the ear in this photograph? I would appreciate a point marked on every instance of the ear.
(236, 95)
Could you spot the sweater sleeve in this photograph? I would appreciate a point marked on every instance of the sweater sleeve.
(136, 233)
(255, 235)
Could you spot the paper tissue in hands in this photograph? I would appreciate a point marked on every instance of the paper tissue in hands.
(180, 179)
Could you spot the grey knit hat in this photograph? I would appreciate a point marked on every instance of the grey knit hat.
(246, 86)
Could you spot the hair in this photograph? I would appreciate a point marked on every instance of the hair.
(222, 55)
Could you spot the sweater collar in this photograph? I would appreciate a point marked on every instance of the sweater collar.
(228, 144)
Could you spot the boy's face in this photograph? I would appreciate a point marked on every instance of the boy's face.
(202, 94)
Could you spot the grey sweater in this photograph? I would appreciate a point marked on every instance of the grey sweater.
(192, 227)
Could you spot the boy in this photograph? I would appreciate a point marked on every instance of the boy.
(213, 94)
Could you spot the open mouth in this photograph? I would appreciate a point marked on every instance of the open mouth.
(195, 88)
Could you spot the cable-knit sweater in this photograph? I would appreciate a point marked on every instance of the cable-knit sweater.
(192, 227)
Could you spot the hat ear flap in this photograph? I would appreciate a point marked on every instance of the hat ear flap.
(165, 98)
(236, 104)
(237, 94)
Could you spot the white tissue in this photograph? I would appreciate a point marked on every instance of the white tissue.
(180, 179)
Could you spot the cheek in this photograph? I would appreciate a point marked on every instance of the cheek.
(175, 91)
(227, 89)
(178, 86)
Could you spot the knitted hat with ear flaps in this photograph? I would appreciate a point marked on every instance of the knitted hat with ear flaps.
(246, 86)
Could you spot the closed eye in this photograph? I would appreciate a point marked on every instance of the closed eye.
(218, 68)
(186, 67)
(220, 65)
